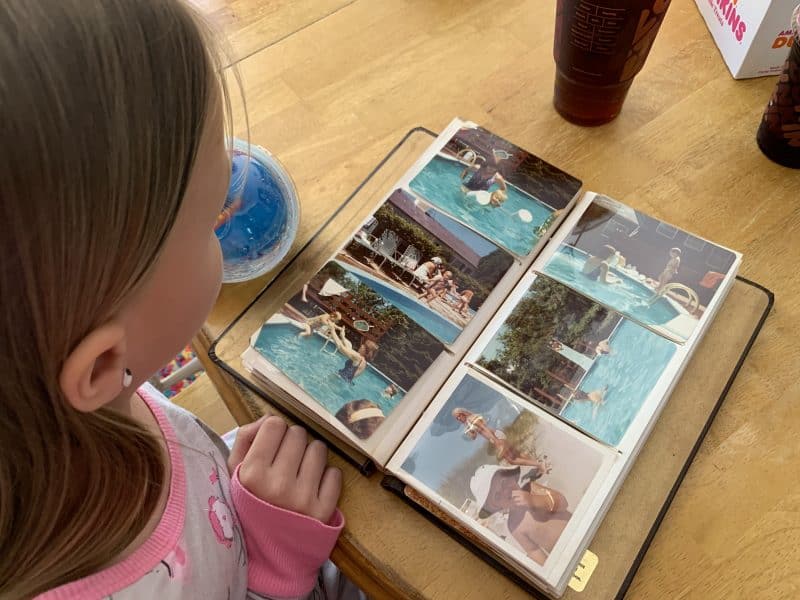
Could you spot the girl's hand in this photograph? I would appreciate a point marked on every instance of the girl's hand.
(244, 439)
(279, 466)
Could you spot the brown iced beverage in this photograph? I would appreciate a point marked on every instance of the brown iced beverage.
(779, 133)
(600, 46)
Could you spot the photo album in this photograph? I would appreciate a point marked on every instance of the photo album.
(498, 342)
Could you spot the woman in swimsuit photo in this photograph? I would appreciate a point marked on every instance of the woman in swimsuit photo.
(597, 267)
(475, 425)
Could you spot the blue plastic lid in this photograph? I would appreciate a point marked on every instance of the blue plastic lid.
(261, 214)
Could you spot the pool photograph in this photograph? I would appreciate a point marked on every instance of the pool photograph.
(515, 471)
(578, 359)
(352, 350)
(428, 265)
(501, 191)
(651, 272)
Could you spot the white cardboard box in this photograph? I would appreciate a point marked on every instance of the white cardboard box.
(753, 36)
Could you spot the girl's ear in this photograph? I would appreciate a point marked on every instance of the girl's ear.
(92, 375)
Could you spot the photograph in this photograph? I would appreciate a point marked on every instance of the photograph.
(577, 359)
(428, 265)
(649, 271)
(501, 191)
(506, 467)
(352, 350)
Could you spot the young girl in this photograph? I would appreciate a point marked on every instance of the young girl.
(113, 169)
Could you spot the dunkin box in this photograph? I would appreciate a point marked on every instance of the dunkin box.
(753, 36)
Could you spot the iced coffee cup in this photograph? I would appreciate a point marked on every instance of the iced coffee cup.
(600, 46)
(779, 132)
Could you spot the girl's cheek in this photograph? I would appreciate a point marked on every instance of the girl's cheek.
(216, 262)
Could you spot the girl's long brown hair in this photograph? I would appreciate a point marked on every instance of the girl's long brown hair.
(103, 105)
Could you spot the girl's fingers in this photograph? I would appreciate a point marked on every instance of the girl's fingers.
(329, 489)
(313, 466)
(244, 439)
(281, 467)
(267, 441)
(289, 455)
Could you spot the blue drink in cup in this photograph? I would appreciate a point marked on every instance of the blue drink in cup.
(259, 222)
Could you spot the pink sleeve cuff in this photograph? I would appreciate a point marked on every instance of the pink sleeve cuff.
(284, 549)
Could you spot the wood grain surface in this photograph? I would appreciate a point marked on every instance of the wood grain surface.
(331, 86)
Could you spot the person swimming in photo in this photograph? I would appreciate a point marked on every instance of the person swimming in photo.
(390, 391)
(500, 195)
(326, 323)
(356, 361)
(479, 177)
(603, 347)
(497, 198)
(597, 267)
(596, 397)
(489, 197)
(618, 261)
(494, 198)
(537, 514)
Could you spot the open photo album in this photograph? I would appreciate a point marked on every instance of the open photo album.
(498, 342)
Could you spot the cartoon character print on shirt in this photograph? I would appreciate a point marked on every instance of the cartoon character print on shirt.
(176, 564)
(222, 519)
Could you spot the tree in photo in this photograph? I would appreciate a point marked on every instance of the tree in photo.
(548, 311)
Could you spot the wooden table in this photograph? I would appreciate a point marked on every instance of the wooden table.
(331, 86)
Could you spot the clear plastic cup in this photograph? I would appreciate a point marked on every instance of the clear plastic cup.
(259, 222)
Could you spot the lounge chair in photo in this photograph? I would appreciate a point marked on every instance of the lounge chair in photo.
(365, 233)
(386, 246)
(408, 261)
